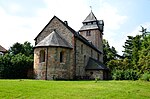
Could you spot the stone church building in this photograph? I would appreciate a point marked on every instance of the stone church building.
(62, 53)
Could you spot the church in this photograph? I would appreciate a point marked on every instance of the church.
(60, 52)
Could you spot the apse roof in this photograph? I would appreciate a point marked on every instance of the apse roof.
(54, 39)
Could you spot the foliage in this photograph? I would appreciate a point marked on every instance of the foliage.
(17, 62)
(37, 89)
(136, 57)
(145, 76)
(109, 52)
(26, 49)
(15, 66)
(128, 74)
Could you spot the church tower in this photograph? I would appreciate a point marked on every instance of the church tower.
(92, 30)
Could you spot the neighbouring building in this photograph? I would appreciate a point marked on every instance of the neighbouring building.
(62, 53)
(2, 50)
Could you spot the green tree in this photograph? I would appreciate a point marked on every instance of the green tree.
(128, 47)
(26, 49)
(109, 52)
(144, 55)
(135, 50)
(17, 62)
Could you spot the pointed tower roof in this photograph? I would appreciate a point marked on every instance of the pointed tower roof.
(54, 39)
(90, 17)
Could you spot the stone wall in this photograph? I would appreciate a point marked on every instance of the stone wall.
(55, 68)
(95, 74)
(95, 37)
(83, 52)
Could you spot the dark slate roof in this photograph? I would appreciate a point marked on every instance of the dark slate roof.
(89, 27)
(54, 39)
(94, 64)
(2, 49)
(90, 17)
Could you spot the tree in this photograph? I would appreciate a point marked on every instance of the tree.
(135, 50)
(18, 62)
(109, 52)
(144, 55)
(26, 49)
(128, 47)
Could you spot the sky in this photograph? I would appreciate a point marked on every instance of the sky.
(22, 20)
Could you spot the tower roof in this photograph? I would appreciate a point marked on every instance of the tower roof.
(54, 39)
(90, 17)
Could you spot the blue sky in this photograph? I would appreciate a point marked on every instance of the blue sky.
(22, 20)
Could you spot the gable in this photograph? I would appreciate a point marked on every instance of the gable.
(56, 24)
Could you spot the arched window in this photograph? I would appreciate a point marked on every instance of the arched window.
(42, 56)
(61, 56)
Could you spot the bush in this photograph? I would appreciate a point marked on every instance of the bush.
(15, 66)
(117, 74)
(128, 74)
(145, 77)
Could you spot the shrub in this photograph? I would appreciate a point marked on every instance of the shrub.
(128, 74)
(117, 74)
(145, 77)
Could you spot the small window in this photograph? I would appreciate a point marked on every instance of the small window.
(88, 33)
(91, 53)
(84, 60)
(61, 56)
(89, 23)
(42, 56)
(82, 49)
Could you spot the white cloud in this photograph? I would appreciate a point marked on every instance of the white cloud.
(14, 8)
(112, 18)
(112, 23)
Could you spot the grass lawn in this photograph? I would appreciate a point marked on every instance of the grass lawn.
(37, 89)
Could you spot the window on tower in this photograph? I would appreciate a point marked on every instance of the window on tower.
(88, 33)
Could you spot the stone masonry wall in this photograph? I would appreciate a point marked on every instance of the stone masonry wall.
(55, 69)
(95, 74)
(96, 38)
(83, 52)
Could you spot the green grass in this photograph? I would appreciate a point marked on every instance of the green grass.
(37, 89)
